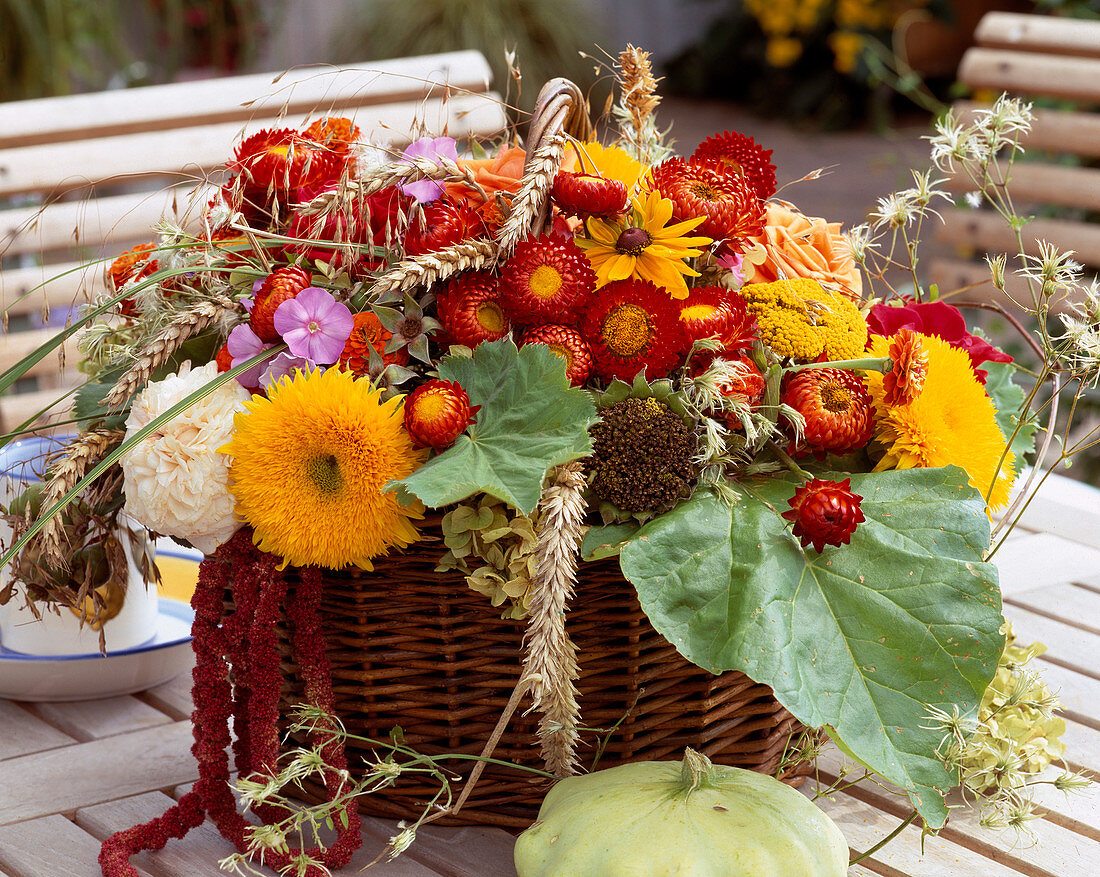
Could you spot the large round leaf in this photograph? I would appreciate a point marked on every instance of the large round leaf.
(860, 638)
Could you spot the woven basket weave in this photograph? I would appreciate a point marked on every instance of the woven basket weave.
(418, 649)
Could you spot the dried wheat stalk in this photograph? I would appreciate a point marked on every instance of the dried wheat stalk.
(533, 191)
(638, 86)
(550, 659)
(195, 319)
(80, 456)
(433, 267)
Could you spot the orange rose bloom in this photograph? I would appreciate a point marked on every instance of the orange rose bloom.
(500, 174)
(804, 246)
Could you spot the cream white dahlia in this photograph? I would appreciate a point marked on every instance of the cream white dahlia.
(176, 482)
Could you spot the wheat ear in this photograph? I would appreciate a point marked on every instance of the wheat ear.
(433, 267)
(533, 192)
(550, 659)
(79, 457)
(197, 318)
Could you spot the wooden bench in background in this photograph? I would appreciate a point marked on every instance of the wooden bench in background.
(1058, 180)
(85, 177)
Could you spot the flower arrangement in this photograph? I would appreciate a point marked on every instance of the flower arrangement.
(572, 351)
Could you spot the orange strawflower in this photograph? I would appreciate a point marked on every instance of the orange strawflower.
(906, 379)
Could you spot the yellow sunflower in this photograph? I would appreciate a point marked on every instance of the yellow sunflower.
(609, 162)
(309, 464)
(643, 246)
(952, 421)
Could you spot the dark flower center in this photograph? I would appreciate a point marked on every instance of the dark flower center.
(633, 240)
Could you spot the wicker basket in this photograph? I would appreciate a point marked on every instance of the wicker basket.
(418, 649)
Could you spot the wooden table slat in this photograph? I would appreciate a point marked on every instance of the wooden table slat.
(93, 719)
(1058, 852)
(174, 696)
(22, 733)
(63, 780)
(1043, 559)
(1067, 646)
(864, 825)
(1080, 694)
(1082, 746)
(1072, 604)
(50, 847)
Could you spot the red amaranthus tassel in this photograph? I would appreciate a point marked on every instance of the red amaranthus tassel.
(245, 641)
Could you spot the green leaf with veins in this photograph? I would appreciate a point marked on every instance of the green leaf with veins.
(861, 638)
(530, 420)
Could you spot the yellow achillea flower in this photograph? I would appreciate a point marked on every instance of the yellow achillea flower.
(951, 422)
(802, 319)
(643, 246)
(309, 464)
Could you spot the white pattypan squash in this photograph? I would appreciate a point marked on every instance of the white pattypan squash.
(691, 819)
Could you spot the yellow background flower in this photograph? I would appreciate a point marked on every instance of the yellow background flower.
(309, 466)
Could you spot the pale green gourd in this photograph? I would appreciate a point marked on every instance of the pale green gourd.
(692, 819)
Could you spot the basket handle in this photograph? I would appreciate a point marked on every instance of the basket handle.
(560, 108)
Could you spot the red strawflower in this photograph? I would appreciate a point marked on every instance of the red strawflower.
(442, 223)
(744, 156)
(345, 239)
(546, 281)
(705, 188)
(903, 383)
(280, 285)
(470, 309)
(224, 359)
(587, 195)
(745, 382)
(935, 318)
(437, 413)
(567, 343)
(283, 159)
(335, 132)
(368, 334)
(633, 325)
(825, 513)
(838, 410)
(131, 267)
(713, 311)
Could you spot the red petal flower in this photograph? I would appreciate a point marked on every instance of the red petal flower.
(368, 333)
(132, 266)
(587, 195)
(546, 281)
(825, 513)
(935, 318)
(705, 188)
(838, 410)
(567, 343)
(633, 325)
(712, 310)
(744, 156)
(470, 309)
(437, 413)
(906, 379)
(278, 286)
(442, 223)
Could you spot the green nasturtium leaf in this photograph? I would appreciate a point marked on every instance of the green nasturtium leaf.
(530, 420)
(861, 638)
(602, 542)
(1007, 398)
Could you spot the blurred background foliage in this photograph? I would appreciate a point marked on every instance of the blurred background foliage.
(52, 47)
(545, 37)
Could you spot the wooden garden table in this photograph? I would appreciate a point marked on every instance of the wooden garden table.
(72, 773)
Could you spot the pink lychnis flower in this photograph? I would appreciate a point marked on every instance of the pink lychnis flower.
(433, 148)
(243, 344)
(314, 325)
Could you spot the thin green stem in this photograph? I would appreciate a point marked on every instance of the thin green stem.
(904, 824)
